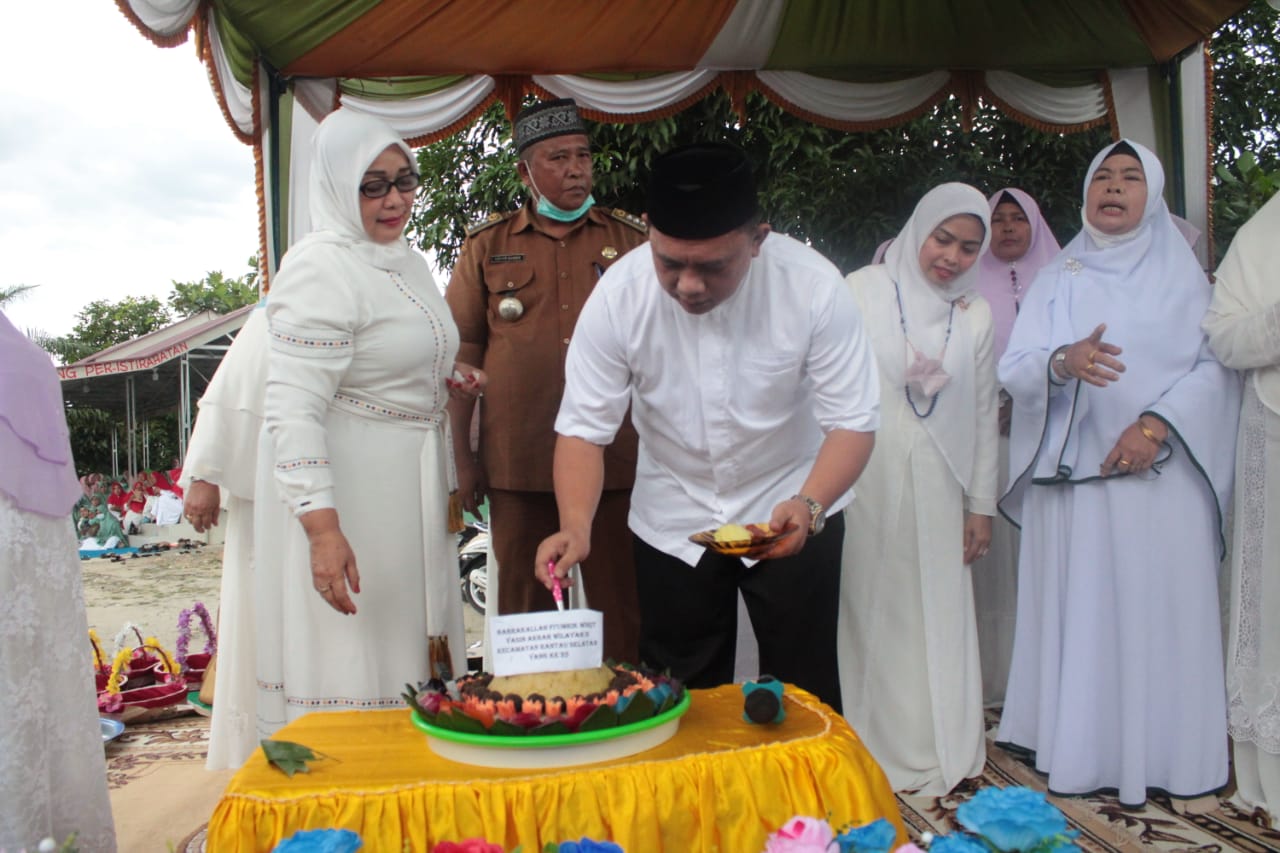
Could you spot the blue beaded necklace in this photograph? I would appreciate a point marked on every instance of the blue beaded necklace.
(902, 319)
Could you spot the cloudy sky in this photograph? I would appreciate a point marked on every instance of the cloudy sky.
(118, 173)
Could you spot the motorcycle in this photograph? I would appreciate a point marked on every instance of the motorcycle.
(473, 564)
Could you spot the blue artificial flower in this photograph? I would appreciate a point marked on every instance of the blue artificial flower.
(957, 842)
(1015, 819)
(320, 841)
(875, 837)
(588, 845)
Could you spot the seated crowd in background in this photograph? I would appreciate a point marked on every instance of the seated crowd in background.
(112, 509)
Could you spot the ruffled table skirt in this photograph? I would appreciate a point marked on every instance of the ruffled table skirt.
(720, 784)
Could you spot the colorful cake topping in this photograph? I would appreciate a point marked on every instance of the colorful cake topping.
(546, 703)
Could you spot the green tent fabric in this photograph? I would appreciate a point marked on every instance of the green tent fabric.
(429, 67)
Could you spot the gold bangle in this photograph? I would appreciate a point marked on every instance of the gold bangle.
(1149, 433)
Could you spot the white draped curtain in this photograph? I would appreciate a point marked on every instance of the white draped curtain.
(1123, 97)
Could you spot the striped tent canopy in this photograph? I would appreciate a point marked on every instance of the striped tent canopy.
(429, 67)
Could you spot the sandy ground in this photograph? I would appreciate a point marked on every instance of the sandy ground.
(150, 591)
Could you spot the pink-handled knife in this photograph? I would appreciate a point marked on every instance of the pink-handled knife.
(556, 592)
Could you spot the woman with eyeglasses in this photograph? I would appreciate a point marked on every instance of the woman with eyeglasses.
(360, 372)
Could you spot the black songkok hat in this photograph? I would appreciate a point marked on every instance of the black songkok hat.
(546, 120)
(701, 191)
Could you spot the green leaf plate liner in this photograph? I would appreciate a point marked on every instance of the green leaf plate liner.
(542, 741)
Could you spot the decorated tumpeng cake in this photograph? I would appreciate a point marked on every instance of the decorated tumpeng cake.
(546, 703)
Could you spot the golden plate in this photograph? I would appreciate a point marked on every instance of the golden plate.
(759, 542)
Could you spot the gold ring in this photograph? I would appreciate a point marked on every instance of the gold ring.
(1124, 462)
(322, 590)
(1091, 357)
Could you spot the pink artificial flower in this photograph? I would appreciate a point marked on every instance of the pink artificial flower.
(801, 835)
(467, 845)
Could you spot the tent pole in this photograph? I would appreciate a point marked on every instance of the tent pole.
(146, 444)
(115, 452)
(130, 426)
(275, 92)
(184, 407)
(1173, 76)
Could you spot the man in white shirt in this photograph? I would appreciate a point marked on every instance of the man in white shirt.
(755, 396)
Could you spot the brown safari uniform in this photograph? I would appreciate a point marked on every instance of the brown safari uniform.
(508, 255)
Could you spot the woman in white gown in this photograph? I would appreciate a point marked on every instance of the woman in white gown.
(53, 778)
(1021, 244)
(221, 466)
(1122, 448)
(1243, 324)
(907, 641)
(362, 347)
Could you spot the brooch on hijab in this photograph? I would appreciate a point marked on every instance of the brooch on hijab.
(1073, 266)
(926, 375)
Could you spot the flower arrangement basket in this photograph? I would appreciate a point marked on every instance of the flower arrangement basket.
(101, 666)
(194, 666)
(144, 683)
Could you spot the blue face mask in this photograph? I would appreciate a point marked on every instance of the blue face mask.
(558, 214)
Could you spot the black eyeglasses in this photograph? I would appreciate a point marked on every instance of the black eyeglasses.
(379, 188)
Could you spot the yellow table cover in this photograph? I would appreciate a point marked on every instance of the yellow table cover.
(720, 784)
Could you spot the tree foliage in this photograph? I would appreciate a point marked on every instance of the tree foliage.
(14, 292)
(1246, 118)
(215, 293)
(846, 192)
(104, 323)
(843, 192)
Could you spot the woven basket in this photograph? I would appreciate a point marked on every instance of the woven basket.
(146, 692)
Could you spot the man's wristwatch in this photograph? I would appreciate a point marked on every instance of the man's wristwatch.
(817, 514)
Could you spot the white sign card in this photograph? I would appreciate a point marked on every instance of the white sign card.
(546, 641)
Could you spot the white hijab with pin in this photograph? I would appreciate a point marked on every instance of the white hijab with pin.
(939, 363)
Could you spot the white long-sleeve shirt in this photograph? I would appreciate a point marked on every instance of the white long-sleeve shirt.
(731, 406)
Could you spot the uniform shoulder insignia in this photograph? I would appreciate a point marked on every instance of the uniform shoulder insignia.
(630, 219)
(488, 222)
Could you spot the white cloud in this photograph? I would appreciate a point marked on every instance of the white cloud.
(118, 173)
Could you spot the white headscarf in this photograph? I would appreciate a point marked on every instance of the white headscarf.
(344, 146)
(1248, 285)
(927, 311)
(1147, 286)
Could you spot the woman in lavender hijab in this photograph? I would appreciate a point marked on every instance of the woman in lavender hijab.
(53, 779)
(1021, 244)
(1122, 453)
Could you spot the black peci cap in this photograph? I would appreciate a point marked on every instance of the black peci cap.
(701, 191)
(546, 120)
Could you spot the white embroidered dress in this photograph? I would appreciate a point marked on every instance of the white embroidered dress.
(224, 451)
(361, 344)
(52, 770)
(1243, 325)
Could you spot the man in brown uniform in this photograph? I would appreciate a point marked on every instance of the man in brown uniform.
(520, 281)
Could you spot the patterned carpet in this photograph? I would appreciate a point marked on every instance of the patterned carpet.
(182, 738)
(161, 795)
(161, 764)
(1103, 823)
